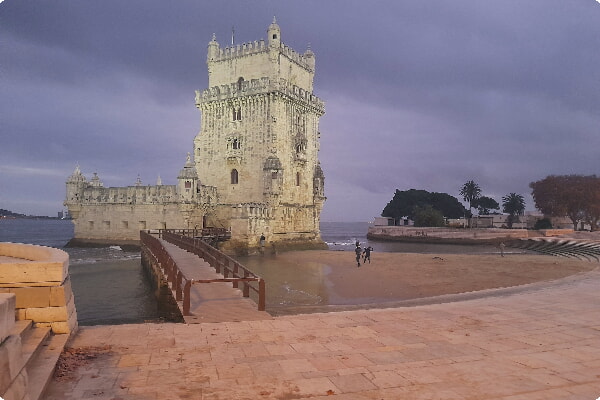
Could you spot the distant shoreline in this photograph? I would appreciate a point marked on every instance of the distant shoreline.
(31, 217)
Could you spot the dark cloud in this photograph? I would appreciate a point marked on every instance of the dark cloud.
(423, 95)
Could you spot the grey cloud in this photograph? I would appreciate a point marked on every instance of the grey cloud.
(418, 94)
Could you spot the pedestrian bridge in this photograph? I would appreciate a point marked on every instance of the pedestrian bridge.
(208, 285)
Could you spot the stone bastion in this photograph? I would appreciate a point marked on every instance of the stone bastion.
(38, 276)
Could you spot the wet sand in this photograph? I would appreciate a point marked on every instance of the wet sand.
(394, 277)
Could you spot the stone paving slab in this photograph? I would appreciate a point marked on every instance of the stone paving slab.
(543, 343)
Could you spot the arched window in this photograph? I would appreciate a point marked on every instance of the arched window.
(234, 176)
(239, 83)
(297, 178)
(237, 113)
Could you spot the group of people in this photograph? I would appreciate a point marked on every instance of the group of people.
(365, 254)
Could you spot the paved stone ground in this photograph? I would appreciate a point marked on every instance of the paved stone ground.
(541, 343)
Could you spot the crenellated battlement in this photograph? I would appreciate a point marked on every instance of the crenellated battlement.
(129, 195)
(263, 85)
(258, 47)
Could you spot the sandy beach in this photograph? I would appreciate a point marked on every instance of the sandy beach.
(396, 277)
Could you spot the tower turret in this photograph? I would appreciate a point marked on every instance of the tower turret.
(76, 184)
(188, 181)
(274, 34)
(309, 58)
(213, 49)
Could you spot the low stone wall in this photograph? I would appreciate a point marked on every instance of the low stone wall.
(39, 278)
(555, 232)
(448, 235)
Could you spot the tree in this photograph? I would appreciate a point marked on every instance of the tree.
(514, 205)
(404, 202)
(543, 223)
(574, 196)
(485, 205)
(470, 192)
(428, 216)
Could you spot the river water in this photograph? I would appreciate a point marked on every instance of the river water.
(110, 286)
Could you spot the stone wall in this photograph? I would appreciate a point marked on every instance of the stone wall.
(447, 234)
(38, 276)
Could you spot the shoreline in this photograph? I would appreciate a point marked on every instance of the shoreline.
(408, 279)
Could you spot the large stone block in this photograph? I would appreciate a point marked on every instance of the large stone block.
(28, 297)
(47, 314)
(66, 327)
(20, 314)
(61, 295)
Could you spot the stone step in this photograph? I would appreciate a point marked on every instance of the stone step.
(32, 340)
(41, 367)
(20, 332)
(22, 328)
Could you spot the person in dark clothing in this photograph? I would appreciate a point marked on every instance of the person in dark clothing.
(358, 252)
(367, 254)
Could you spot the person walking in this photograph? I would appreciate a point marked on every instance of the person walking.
(367, 254)
(358, 252)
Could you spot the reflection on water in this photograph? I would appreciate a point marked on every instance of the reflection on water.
(112, 292)
(289, 282)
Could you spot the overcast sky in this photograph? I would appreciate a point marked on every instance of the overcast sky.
(419, 94)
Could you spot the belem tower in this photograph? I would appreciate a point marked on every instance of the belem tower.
(254, 168)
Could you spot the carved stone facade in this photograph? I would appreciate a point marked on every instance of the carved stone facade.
(255, 166)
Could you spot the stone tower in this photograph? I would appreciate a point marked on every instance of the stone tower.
(259, 142)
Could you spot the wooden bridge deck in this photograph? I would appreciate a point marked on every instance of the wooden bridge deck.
(212, 302)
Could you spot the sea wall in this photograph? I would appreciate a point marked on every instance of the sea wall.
(446, 235)
(39, 278)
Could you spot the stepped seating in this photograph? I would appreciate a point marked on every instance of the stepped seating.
(28, 356)
(580, 249)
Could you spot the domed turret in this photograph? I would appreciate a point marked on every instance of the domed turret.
(189, 169)
(309, 57)
(213, 49)
(76, 176)
(188, 180)
(95, 181)
(274, 34)
(76, 183)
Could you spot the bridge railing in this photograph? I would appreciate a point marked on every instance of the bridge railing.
(212, 233)
(232, 270)
(180, 284)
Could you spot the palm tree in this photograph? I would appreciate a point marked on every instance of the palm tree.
(470, 192)
(514, 205)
